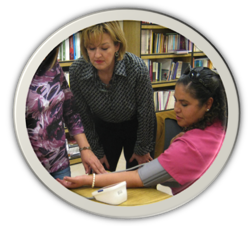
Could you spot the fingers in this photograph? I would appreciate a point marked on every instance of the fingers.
(87, 168)
(99, 168)
(70, 179)
(132, 158)
(181, 133)
(65, 183)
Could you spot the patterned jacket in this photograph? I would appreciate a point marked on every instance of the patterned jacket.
(129, 95)
(49, 105)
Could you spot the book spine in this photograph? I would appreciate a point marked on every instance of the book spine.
(67, 49)
(71, 48)
(74, 46)
(64, 50)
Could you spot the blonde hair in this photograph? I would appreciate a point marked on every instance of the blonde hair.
(49, 61)
(92, 33)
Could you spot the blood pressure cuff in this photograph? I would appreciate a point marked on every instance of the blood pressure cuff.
(152, 173)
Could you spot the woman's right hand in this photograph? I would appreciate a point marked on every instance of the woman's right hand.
(73, 182)
(90, 161)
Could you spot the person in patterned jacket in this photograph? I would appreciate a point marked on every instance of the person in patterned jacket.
(114, 97)
(49, 105)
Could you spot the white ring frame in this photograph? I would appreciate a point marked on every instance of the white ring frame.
(117, 211)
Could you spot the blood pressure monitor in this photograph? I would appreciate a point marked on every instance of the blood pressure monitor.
(114, 194)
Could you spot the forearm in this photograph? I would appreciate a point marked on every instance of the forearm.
(81, 140)
(101, 180)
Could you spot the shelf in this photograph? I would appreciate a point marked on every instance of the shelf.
(149, 26)
(66, 63)
(75, 161)
(163, 55)
(164, 110)
(198, 54)
(163, 84)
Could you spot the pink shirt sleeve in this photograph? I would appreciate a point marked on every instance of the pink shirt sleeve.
(189, 156)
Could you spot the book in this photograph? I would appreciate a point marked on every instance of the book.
(171, 101)
(78, 45)
(181, 51)
(165, 99)
(165, 68)
(179, 69)
(154, 71)
(150, 41)
(74, 46)
(171, 71)
(144, 42)
(67, 50)
(64, 50)
(175, 70)
(71, 48)
(201, 62)
(185, 65)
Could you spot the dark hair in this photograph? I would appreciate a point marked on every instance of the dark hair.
(203, 83)
(48, 62)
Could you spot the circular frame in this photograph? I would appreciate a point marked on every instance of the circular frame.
(118, 211)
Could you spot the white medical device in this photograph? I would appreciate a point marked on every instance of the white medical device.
(164, 189)
(114, 194)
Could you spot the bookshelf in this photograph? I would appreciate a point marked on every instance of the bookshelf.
(135, 31)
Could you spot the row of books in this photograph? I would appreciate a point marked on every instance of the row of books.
(155, 43)
(165, 69)
(146, 23)
(164, 100)
(72, 148)
(203, 62)
(70, 48)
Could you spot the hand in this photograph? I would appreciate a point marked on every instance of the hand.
(177, 136)
(72, 182)
(141, 159)
(89, 161)
(104, 160)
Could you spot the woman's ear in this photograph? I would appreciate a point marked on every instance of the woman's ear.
(210, 103)
(117, 46)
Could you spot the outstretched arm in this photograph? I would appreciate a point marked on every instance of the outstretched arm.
(101, 180)
(149, 175)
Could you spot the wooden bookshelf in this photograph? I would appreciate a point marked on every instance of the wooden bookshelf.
(132, 30)
(163, 84)
(66, 63)
(163, 55)
(151, 26)
(134, 43)
(75, 161)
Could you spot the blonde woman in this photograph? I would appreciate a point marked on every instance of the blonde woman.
(114, 98)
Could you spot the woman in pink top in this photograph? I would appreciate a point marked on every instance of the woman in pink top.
(201, 110)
